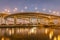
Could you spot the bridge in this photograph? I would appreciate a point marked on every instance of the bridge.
(25, 25)
(31, 19)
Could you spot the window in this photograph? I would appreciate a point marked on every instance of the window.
(55, 21)
(34, 20)
(18, 21)
(10, 21)
(42, 21)
(38, 20)
(26, 21)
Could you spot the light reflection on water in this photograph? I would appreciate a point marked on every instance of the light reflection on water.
(54, 38)
(37, 33)
(51, 34)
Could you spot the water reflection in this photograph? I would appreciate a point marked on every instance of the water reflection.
(58, 37)
(54, 38)
(2, 38)
(46, 30)
(29, 33)
(51, 34)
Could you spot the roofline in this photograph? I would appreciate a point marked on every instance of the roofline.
(38, 13)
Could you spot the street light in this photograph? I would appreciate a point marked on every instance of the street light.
(15, 9)
(57, 13)
(7, 11)
(50, 11)
(36, 8)
(54, 12)
(25, 7)
(44, 9)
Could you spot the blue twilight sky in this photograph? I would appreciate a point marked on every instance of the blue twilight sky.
(53, 5)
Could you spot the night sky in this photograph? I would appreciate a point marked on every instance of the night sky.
(53, 5)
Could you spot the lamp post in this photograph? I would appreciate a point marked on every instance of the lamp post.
(15, 9)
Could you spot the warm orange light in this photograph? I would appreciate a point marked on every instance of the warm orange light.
(51, 34)
(55, 38)
(33, 30)
(7, 39)
(58, 37)
(8, 11)
(9, 32)
(12, 30)
(46, 31)
(57, 13)
(2, 38)
(54, 12)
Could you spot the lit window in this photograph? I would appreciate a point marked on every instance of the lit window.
(55, 21)
(42, 21)
(10, 21)
(34, 20)
(38, 20)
